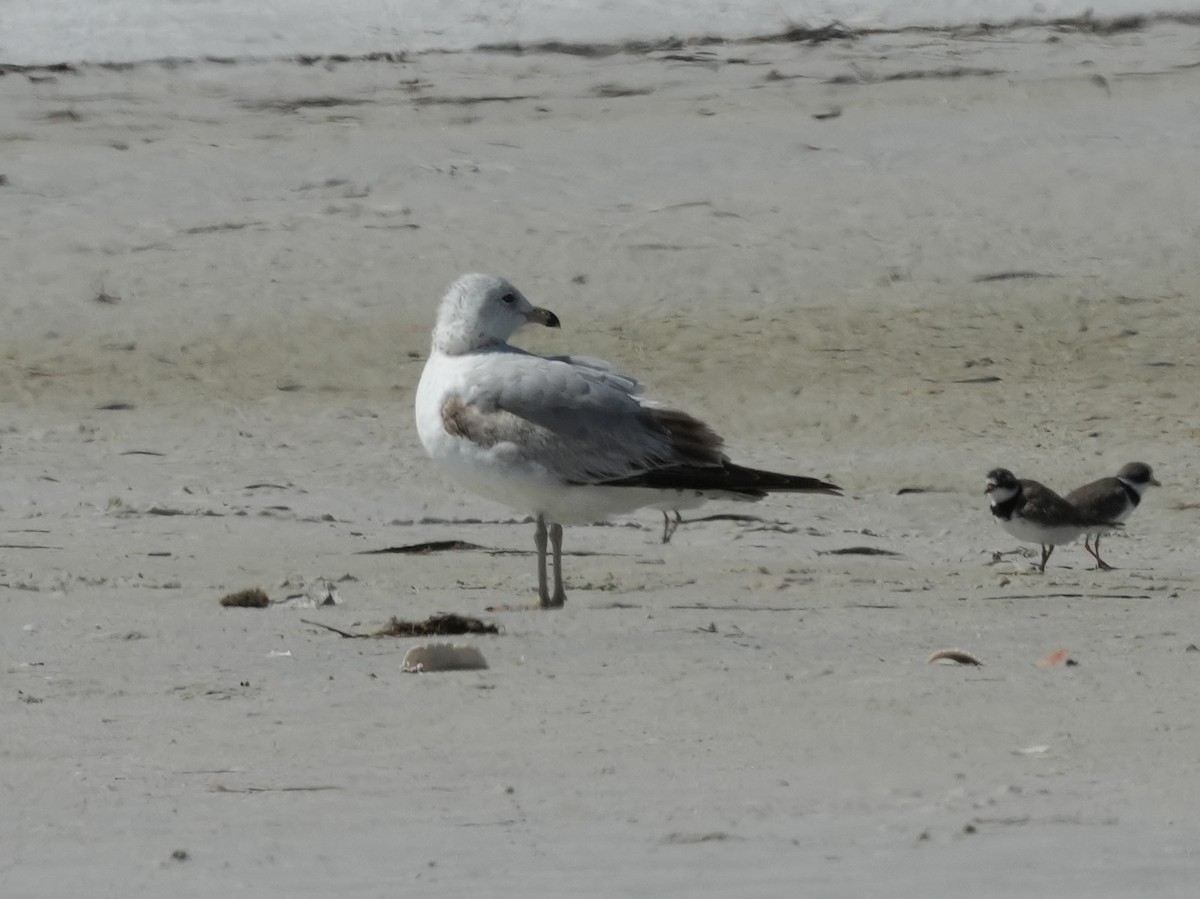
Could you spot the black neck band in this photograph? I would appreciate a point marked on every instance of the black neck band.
(1004, 510)
(1134, 496)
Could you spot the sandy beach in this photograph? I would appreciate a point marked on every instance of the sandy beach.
(895, 262)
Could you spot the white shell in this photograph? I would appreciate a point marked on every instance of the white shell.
(443, 657)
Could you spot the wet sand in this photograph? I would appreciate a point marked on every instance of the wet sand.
(895, 262)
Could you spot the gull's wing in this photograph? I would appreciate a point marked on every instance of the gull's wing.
(580, 419)
(583, 420)
(602, 370)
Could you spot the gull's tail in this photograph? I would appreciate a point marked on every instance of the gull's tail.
(750, 483)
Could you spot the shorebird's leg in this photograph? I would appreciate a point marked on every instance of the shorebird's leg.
(1087, 545)
(539, 540)
(1100, 563)
(560, 595)
(1046, 551)
(669, 525)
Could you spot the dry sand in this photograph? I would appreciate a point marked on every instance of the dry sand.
(786, 240)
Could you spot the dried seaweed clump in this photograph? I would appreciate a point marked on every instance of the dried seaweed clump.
(254, 598)
(436, 625)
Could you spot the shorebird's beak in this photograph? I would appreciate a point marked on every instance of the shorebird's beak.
(1155, 482)
(989, 488)
(540, 316)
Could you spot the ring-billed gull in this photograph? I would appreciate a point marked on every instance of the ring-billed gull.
(568, 439)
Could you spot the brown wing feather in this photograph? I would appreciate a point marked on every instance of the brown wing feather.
(689, 440)
(1043, 504)
(1104, 499)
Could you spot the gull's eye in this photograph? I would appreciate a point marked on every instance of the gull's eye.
(508, 299)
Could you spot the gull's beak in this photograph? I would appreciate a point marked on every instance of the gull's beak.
(540, 316)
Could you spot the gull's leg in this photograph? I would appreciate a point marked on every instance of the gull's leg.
(560, 595)
(539, 540)
(1046, 551)
(670, 525)
(1100, 563)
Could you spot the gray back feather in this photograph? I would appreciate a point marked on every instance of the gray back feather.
(579, 418)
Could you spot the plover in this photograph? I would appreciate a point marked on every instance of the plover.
(672, 519)
(1033, 513)
(1111, 499)
(567, 439)
(672, 512)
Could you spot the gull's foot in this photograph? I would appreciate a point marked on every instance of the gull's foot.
(544, 602)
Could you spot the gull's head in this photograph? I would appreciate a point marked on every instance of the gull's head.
(479, 310)
(1139, 476)
(1001, 486)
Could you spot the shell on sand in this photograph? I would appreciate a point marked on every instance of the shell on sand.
(953, 655)
(443, 657)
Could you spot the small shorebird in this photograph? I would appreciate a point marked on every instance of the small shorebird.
(567, 439)
(1111, 499)
(1033, 513)
(672, 512)
(672, 519)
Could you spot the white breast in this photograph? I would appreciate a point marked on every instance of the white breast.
(1028, 532)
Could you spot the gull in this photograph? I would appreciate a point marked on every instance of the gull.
(567, 439)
